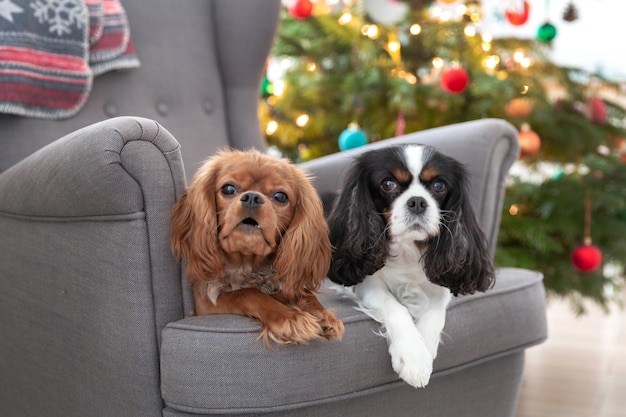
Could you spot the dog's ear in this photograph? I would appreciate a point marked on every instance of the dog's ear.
(357, 231)
(194, 226)
(303, 255)
(459, 257)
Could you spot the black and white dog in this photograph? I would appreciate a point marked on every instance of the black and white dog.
(405, 240)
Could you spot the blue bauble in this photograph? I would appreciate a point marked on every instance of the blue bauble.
(351, 138)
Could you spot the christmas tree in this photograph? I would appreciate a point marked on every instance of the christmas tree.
(350, 70)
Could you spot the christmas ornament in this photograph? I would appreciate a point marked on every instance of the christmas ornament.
(518, 17)
(529, 141)
(454, 80)
(301, 9)
(587, 256)
(570, 13)
(620, 146)
(352, 137)
(519, 107)
(546, 32)
(386, 12)
(597, 110)
(400, 124)
(267, 88)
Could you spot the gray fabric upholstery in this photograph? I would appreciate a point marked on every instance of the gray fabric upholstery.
(197, 353)
(201, 64)
(93, 306)
(86, 278)
(443, 398)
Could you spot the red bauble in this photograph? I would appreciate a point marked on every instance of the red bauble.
(529, 141)
(518, 18)
(454, 80)
(597, 111)
(587, 257)
(301, 9)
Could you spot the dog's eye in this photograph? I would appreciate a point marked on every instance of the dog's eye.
(280, 197)
(229, 189)
(438, 186)
(388, 186)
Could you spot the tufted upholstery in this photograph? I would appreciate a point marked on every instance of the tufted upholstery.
(199, 76)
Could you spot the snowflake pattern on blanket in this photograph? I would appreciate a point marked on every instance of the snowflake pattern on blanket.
(45, 51)
(60, 15)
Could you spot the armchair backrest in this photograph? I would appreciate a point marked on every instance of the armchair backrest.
(201, 66)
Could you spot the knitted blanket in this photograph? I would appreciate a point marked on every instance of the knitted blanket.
(50, 50)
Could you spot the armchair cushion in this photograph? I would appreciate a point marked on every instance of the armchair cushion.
(214, 364)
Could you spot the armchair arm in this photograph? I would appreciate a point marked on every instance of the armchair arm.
(488, 147)
(86, 278)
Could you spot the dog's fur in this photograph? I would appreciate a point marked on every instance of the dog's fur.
(252, 231)
(406, 239)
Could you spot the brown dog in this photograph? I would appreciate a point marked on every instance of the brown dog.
(252, 231)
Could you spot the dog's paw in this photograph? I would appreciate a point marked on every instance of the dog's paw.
(332, 327)
(411, 361)
(298, 327)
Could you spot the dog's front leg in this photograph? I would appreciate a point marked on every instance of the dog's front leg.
(281, 323)
(431, 321)
(410, 357)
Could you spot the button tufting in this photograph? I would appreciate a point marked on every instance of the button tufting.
(207, 107)
(162, 108)
(110, 109)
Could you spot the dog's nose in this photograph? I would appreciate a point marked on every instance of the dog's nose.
(252, 200)
(417, 205)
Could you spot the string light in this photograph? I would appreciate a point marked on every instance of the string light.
(513, 210)
(435, 12)
(470, 31)
(410, 78)
(526, 62)
(311, 66)
(522, 60)
(437, 63)
(393, 48)
(345, 18)
(406, 76)
(487, 39)
(371, 31)
(415, 29)
(285, 63)
(302, 120)
(445, 16)
(271, 128)
(491, 62)
(279, 88)
(393, 45)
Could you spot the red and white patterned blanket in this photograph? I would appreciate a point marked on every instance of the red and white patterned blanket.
(50, 50)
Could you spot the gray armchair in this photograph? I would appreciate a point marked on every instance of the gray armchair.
(93, 306)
